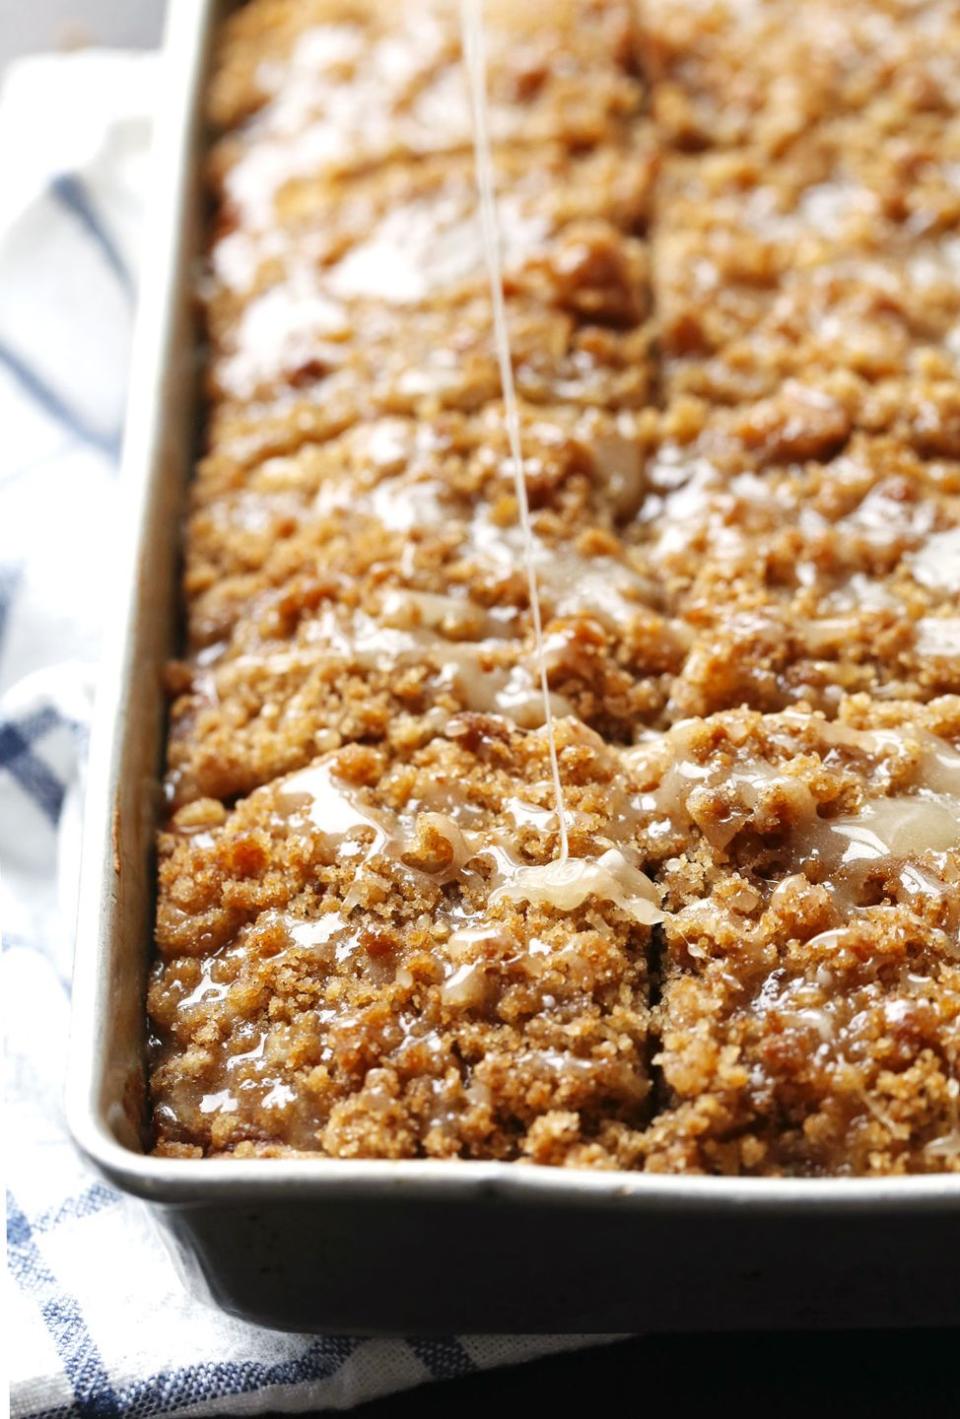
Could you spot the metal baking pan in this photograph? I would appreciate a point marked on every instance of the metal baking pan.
(409, 1247)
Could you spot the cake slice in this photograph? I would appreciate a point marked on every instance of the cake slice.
(809, 1013)
(346, 968)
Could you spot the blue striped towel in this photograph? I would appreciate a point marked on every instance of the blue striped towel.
(99, 1323)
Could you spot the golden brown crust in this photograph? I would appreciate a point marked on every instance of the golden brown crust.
(732, 290)
(810, 988)
(573, 78)
(320, 982)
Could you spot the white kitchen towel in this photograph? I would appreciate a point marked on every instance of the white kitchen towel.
(97, 1321)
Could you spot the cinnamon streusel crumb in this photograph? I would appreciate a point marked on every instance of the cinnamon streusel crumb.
(733, 294)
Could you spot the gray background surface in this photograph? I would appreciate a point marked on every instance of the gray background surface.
(27, 25)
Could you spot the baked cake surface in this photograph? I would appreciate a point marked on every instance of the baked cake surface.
(731, 277)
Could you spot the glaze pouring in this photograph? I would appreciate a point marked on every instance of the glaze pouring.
(475, 61)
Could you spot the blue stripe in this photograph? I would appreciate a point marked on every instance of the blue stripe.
(30, 772)
(92, 1200)
(40, 722)
(196, 1384)
(160, 1393)
(445, 1358)
(82, 1363)
(53, 405)
(64, 1411)
(9, 580)
(70, 190)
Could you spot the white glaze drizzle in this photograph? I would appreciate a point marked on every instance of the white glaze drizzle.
(474, 52)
